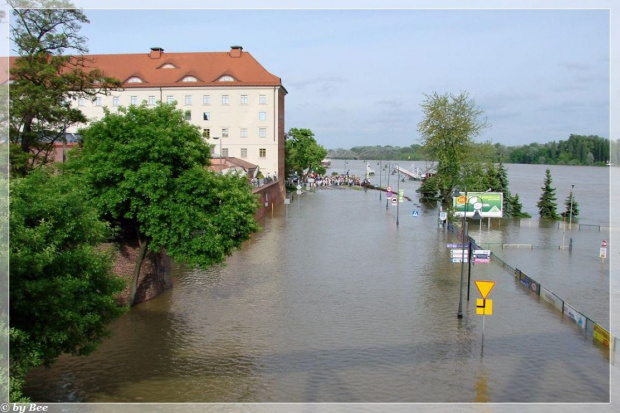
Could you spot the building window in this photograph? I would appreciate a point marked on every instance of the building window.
(98, 101)
(206, 116)
(224, 132)
(188, 99)
(244, 99)
(206, 99)
(262, 99)
(206, 133)
(244, 132)
(81, 102)
(151, 100)
(225, 152)
(189, 79)
(226, 78)
(116, 100)
(262, 132)
(262, 115)
(225, 99)
(262, 153)
(134, 80)
(134, 100)
(188, 115)
(244, 152)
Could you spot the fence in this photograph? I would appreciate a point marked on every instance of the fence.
(562, 225)
(589, 328)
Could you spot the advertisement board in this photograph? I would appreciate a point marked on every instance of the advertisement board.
(488, 204)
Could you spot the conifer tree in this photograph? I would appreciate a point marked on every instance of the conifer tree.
(570, 203)
(546, 205)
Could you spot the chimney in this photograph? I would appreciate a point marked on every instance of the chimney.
(156, 52)
(235, 51)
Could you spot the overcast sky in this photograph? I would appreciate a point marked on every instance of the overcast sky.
(358, 77)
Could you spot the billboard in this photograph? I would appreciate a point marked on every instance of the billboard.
(488, 204)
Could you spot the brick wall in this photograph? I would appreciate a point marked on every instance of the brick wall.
(270, 194)
(155, 275)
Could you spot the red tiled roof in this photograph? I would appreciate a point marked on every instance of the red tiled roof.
(207, 67)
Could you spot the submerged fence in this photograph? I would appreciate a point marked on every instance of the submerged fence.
(589, 328)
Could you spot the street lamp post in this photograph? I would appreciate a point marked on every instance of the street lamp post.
(388, 184)
(397, 196)
(570, 216)
(380, 171)
(464, 238)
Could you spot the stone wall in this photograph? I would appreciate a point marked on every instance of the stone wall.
(155, 275)
(269, 195)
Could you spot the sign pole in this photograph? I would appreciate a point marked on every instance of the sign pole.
(483, 317)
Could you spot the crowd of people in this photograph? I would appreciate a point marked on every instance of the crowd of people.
(318, 180)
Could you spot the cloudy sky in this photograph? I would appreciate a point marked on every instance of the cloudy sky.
(358, 76)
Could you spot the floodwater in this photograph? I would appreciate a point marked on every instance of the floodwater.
(332, 302)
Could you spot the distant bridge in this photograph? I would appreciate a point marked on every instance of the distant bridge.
(413, 173)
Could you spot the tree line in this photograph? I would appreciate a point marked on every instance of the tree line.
(576, 150)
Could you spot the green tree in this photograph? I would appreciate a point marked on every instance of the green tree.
(62, 292)
(146, 169)
(45, 82)
(515, 207)
(546, 205)
(303, 152)
(448, 127)
(570, 204)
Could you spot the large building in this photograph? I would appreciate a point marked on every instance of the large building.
(230, 96)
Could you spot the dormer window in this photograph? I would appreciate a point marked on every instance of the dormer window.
(168, 66)
(134, 79)
(189, 79)
(226, 78)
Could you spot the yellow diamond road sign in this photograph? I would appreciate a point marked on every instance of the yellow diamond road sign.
(485, 287)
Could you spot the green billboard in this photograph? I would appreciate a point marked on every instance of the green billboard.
(488, 204)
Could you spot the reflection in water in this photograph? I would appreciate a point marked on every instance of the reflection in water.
(332, 302)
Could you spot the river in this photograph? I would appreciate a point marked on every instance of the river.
(332, 302)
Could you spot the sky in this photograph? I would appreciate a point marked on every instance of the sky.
(357, 75)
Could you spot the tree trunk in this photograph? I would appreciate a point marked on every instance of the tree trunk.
(136, 271)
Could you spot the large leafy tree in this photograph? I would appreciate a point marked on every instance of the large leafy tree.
(449, 125)
(146, 169)
(303, 152)
(45, 80)
(546, 204)
(62, 291)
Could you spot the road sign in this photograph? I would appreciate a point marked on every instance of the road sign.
(485, 287)
(484, 307)
(415, 213)
(298, 186)
(401, 195)
(299, 192)
(443, 215)
(394, 200)
(457, 253)
(455, 260)
(603, 253)
(482, 252)
(457, 245)
(389, 189)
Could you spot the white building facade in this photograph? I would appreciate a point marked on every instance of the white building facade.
(236, 103)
